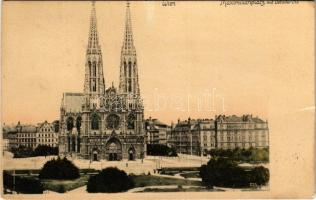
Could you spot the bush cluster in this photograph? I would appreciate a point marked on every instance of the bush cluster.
(22, 184)
(40, 150)
(160, 150)
(224, 172)
(110, 180)
(61, 169)
(243, 155)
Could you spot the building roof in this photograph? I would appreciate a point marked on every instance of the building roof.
(243, 118)
(9, 129)
(154, 124)
(28, 129)
(186, 125)
(72, 102)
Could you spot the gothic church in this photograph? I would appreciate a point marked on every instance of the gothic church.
(104, 123)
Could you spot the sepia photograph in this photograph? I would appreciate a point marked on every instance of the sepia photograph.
(157, 99)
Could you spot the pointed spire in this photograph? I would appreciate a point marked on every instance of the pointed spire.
(93, 43)
(128, 69)
(128, 43)
(94, 79)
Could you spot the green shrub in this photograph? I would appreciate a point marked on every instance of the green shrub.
(224, 172)
(61, 189)
(243, 155)
(110, 180)
(160, 150)
(22, 184)
(59, 169)
(44, 150)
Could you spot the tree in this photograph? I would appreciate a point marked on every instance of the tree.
(22, 152)
(24, 185)
(44, 150)
(160, 150)
(110, 180)
(225, 172)
(59, 169)
(260, 175)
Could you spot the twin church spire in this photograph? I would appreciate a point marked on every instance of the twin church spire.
(94, 78)
(128, 67)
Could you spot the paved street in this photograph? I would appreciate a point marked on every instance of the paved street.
(137, 167)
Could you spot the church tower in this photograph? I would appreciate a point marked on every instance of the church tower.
(94, 80)
(128, 67)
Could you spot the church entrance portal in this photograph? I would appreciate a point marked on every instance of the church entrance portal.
(131, 153)
(95, 156)
(114, 150)
(112, 156)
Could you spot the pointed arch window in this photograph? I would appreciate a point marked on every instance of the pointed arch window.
(94, 85)
(90, 72)
(131, 121)
(78, 124)
(125, 66)
(129, 69)
(113, 121)
(130, 85)
(73, 143)
(95, 121)
(94, 69)
(70, 123)
(68, 142)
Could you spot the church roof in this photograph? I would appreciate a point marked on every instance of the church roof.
(72, 102)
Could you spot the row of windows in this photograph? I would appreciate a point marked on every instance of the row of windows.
(26, 135)
(235, 138)
(50, 145)
(34, 145)
(27, 140)
(212, 145)
(47, 140)
(46, 135)
(233, 145)
(242, 132)
(46, 130)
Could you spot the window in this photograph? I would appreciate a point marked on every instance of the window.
(131, 121)
(113, 121)
(70, 123)
(129, 69)
(78, 124)
(125, 65)
(95, 122)
(94, 69)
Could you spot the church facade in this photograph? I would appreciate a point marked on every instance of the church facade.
(104, 123)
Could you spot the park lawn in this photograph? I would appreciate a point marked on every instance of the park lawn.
(190, 175)
(149, 180)
(62, 186)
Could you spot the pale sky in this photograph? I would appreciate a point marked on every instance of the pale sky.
(258, 60)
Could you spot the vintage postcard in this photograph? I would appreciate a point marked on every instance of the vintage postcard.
(157, 99)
